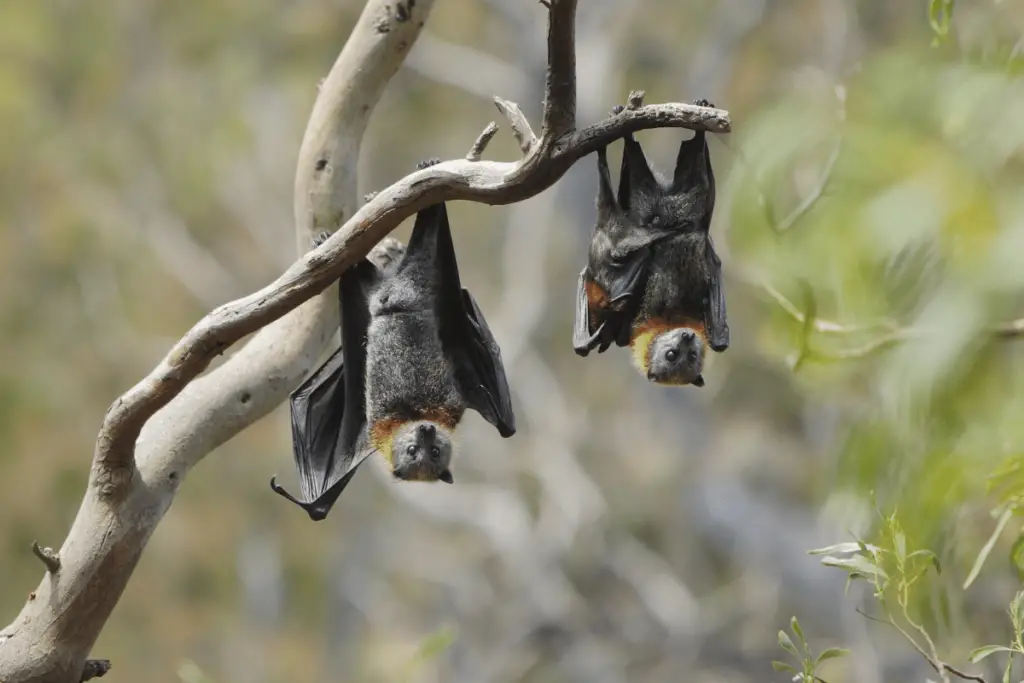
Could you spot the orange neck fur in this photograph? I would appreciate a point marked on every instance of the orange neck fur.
(646, 332)
(382, 432)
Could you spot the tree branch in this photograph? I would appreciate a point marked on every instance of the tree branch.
(137, 471)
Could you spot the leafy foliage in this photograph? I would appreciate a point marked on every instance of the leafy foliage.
(807, 661)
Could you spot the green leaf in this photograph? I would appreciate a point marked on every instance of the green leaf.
(1009, 669)
(987, 548)
(831, 653)
(940, 12)
(848, 547)
(1017, 556)
(786, 643)
(980, 653)
(855, 564)
(900, 543)
(782, 666)
(930, 555)
(794, 625)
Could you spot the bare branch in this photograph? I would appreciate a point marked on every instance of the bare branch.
(47, 557)
(635, 100)
(136, 471)
(560, 85)
(940, 667)
(482, 140)
(518, 122)
(95, 668)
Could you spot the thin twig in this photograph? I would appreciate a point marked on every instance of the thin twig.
(47, 557)
(808, 202)
(95, 668)
(518, 122)
(482, 140)
(937, 664)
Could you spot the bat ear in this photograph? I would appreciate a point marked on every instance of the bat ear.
(605, 195)
(693, 165)
(636, 176)
(446, 477)
(699, 381)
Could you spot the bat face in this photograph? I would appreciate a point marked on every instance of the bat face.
(422, 451)
(671, 355)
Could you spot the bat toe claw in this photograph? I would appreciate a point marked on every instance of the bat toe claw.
(320, 238)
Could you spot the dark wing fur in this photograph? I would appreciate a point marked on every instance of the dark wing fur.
(694, 174)
(328, 410)
(465, 336)
(620, 253)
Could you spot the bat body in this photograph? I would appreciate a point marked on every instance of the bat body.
(653, 281)
(430, 357)
(415, 353)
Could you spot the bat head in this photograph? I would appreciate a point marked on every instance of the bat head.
(422, 451)
(671, 355)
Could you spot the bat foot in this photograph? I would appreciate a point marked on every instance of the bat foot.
(618, 109)
(427, 163)
(703, 103)
(368, 197)
(320, 238)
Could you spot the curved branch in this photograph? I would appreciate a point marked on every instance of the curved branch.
(136, 471)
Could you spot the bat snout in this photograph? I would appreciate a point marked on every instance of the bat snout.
(427, 430)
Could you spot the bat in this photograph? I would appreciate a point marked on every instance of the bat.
(653, 281)
(416, 353)
(430, 357)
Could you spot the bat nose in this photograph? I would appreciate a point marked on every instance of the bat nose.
(427, 430)
(687, 335)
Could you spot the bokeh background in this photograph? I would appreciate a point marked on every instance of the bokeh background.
(627, 532)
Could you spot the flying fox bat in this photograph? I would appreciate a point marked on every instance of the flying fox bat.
(653, 280)
(416, 353)
(328, 410)
(430, 356)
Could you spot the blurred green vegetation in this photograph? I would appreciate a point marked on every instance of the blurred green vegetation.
(146, 171)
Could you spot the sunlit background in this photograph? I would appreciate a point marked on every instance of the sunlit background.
(871, 220)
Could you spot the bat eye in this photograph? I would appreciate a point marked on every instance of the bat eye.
(671, 355)
(436, 452)
(411, 449)
(692, 355)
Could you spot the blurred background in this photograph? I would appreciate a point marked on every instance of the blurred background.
(871, 219)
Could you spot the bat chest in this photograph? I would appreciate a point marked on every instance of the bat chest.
(408, 374)
(678, 285)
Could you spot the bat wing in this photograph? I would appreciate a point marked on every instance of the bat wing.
(717, 323)
(328, 411)
(622, 280)
(583, 340)
(465, 335)
(480, 372)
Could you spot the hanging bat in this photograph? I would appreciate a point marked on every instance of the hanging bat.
(653, 280)
(430, 356)
(416, 352)
(328, 410)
